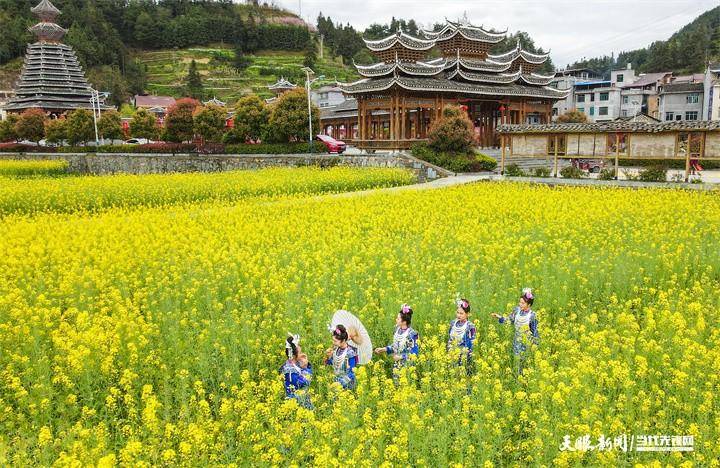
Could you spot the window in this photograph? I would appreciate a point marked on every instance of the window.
(694, 142)
(620, 78)
(624, 113)
(678, 117)
(625, 99)
(617, 143)
(693, 98)
(603, 111)
(581, 109)
(580, 98)
(555, 111)
(592, 97)
(557, 143)
(604, 96)
(691, 115)
(592, 111)
(669, 115)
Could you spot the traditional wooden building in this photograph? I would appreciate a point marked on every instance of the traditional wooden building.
(399, 97)
(279, 87)
(51, 78)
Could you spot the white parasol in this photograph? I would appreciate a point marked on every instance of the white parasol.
(358, 335)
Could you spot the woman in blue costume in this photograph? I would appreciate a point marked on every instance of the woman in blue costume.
(343, 358)
(525, 322)
(297, 372)
(405, 341)
(462, 333)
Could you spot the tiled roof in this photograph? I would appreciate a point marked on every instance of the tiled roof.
(479, 65)
(682, 88)
(646, 79)
(517, 52)
(613, 126)
(468, 31)
(410, 68)
(347, 108)
(497, 78)
(445, 85)
(154, 101)
(403, 39)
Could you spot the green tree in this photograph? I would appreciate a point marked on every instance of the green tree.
(251, 119)
(310, 54)
(453, 132)
(240, 61)
(144, 125)
(107, 78)
(209, 122)
(146, 31)
(110, 125)
(7, 128)
(56, 131)
(572, 116)
(289, 117)
(80, 127)
(31, 125)
(193, 82)
(179, 123)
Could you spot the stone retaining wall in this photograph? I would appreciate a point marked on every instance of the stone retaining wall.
(113, 163)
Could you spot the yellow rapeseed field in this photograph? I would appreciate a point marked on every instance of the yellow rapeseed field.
(154, 335)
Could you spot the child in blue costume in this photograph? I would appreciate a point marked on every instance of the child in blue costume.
(405, 341)
(297, 372)
(524, 319)
(343, 358)
(462, 333)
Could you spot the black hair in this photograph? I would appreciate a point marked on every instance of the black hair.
(406, 316)
(341, 333)
(293, 348)
(464, 304)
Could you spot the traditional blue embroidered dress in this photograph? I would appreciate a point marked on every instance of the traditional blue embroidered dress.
(462, 335)
(297, 382)
(343, 362)
(405, 343)
(526, 329)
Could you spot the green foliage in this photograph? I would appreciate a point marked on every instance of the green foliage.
(453, 132)
(251, 120)
(513, 170)
(110, 125)
(572, 172)
(573, 116)
(7, 128)
(193, 82)
(31, 125)
(455, 162)
(289, 117)
(541, 172)
(310, 54)
(80, 127)
(56, 131)
(606, 174)
(179, 123)
(209, 122)
(653, 174)
(144, 125)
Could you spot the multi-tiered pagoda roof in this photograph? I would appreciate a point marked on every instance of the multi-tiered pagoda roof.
(52, 78)
(466, 65)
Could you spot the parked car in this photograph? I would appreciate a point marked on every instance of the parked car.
(137, 141)
(590, 165)
(332, 145)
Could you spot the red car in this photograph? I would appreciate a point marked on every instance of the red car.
(332, 145)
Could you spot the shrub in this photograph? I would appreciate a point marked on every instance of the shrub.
(513, 170)
(653, 174)
(210, 122)
(80, 127)
(179, 123)
(573, 116)
(289, 117)
(144, 125)
(606, 174)
(484, 162)
(7, 128)
(251, 120)
(541, 172)
(56, 131)
(110, 125)
(572, 172)
(453, 132)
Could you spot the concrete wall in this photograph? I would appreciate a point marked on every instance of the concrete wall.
(107, 163)
(712, 145)
(677, 104)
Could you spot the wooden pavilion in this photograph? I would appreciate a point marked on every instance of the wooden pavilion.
(399, 97)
